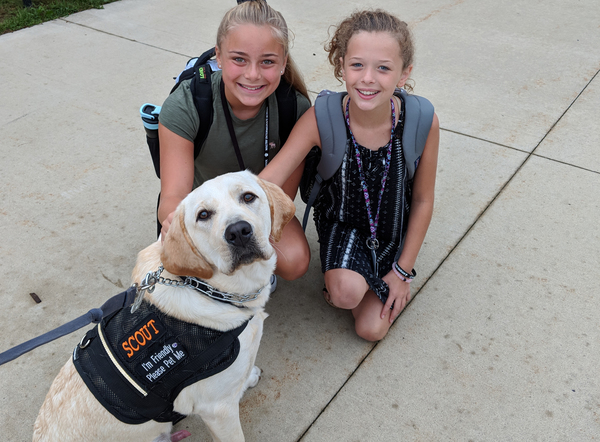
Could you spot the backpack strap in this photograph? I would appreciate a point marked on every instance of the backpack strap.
(286, 108)
(418, 116)
(332, 132)
(201, 90)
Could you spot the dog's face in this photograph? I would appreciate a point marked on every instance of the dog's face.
(224, 225)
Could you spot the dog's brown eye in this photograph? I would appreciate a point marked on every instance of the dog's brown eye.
(248, 197)
(203, 215)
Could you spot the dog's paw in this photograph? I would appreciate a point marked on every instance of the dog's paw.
(254, 377)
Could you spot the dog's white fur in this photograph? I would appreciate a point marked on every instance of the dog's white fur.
(193, 247)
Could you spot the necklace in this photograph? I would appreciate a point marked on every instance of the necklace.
(372, 242)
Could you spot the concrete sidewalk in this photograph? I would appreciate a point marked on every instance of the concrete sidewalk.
(502, 340)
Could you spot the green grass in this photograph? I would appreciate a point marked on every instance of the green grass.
(14, 16)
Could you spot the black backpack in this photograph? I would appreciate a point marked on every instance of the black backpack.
(200, 70)
(321, 164)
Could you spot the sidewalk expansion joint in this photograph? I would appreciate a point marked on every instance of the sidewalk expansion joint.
(124, 38)
(495, 143)
(565, 163)
(563, 114)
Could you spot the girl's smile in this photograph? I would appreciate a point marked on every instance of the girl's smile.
(367, 92)
(252, 61)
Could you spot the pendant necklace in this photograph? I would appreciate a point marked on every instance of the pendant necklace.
(372, 242)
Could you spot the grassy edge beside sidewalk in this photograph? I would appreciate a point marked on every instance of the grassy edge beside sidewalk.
(14, 16)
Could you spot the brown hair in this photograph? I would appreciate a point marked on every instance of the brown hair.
(257, 12)
(369, 21)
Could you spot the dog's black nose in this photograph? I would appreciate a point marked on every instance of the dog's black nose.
(238, 234)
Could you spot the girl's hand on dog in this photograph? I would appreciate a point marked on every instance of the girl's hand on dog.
(398, 297)
(165, 225)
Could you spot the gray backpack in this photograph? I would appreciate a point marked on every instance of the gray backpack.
(321, 164)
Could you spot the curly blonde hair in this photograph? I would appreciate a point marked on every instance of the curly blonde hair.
(259, 13)
(376, 20)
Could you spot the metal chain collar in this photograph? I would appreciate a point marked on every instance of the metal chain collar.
(152, 278)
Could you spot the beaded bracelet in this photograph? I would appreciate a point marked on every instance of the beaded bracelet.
(404, 272)
(399, 275)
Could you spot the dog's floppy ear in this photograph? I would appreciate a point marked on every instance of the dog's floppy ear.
(179, 254)
(282, 207)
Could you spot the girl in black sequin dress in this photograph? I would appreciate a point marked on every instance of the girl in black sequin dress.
(371, 218)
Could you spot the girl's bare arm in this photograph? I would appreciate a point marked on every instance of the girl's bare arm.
(176, 171)
(303, 137)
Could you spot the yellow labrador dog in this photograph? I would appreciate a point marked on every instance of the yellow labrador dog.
(190, 346)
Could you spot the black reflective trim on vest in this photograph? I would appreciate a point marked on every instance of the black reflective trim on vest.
(136, 364)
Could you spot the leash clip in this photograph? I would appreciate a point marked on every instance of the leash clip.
(139, 296)
(148, 284)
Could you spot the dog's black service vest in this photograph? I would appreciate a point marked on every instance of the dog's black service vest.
(137, 363)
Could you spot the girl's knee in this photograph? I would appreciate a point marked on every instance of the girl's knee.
(294, 263)
(293, 252)
(370, 332)
(292, 271)
(369, 324)
(346, 288)
(344, 296)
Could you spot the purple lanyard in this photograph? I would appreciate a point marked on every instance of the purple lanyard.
(372, 242)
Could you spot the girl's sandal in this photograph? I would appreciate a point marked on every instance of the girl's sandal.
(328, 297)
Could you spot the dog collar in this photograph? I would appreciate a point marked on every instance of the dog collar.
(211, 292)
(152, 278)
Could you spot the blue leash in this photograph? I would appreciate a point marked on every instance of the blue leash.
(95, 315)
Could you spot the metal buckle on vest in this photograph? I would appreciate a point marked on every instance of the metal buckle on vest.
(86, 343)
